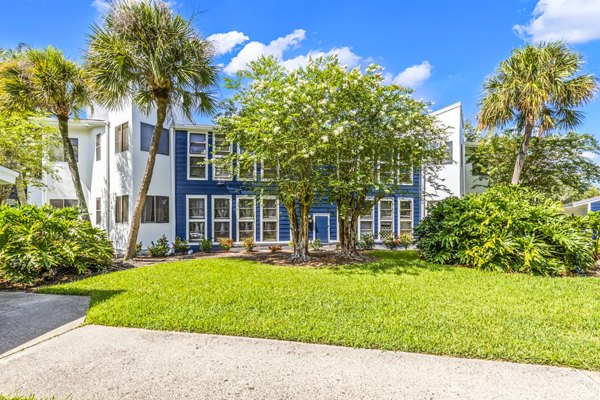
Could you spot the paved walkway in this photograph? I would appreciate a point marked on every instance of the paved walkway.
(95, 362)
(26, 316)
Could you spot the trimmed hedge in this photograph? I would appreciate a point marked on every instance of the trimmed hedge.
(35, 242)
(509, 229)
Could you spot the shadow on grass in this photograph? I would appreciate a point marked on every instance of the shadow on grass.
(96, 296)
(391, 262)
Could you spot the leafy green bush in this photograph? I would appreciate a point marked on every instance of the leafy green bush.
(206, 245)
(316, 244)
(180, 246)
(592, 222)
(37, 241)
(404, 240)
(507, 228)
(367, 242)
(225, 243)
(161, 248)
(390, 243)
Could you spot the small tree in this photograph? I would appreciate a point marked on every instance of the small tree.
(145, 52)
(557, 166)
(45, 81)
(26, 147)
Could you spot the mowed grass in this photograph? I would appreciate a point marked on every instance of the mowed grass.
(396, 303)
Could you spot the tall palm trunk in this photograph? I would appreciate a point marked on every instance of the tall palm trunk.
(516, 178)
(161, 114)
(63, 127)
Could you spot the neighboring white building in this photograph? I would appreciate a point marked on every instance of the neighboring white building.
(7, 176)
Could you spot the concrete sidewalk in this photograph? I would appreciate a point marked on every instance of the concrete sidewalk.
(95, 362)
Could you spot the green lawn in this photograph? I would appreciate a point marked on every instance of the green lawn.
(397, 303)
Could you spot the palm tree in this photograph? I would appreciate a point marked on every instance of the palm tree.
(538, 88)
(145, 52)
(45, 81)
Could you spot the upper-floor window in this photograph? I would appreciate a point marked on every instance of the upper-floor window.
(156, 209)
(197, 153)
(405, 176)
(62, 203)
(246, 168)
(146, 132)
(221, 150)
(270, 171)
(98, 210)
(98, 147)
(60, 150)
(449, 157)
(122, 137)
(122, 209)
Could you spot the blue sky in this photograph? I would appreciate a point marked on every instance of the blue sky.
(442, 49)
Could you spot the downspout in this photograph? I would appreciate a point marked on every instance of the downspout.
(108, 195)
(172, 209)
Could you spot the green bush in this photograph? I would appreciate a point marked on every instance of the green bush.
(206, 245)
(37, 241)
(592, 222)
(161, 248)
(180, 246)
(316, 244)
(367, 242)
(404, 240)
(507, 228)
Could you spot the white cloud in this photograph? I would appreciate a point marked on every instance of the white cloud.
(101, 5)
(414, 76)
(254, 50)
(225, 42)
(574, 21)
(345, 56)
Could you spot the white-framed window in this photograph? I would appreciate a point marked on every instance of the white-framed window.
(98, 146)
(365, 223)
(98, 210)
(405, 176)
(386, 219)
(64, 203)
(122, 209)
(269, 220)
(122, 138)
(221, 149)
(196, 218)
(156, 210)
(221, 213)
(246, 169)
(246, 217)
(406, 215)
(269, 171)
(197, 155)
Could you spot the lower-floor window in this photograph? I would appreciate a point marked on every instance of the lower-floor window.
(221, 217)
(386, 219)
(156, 209)
(196, 216)
(270, 220)
(246, 213)
(122, 209)
(406, 215)
(63, 203)
(365, 223)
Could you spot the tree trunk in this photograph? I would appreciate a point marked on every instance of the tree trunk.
(349, 249)
(161, 114)
(63, 127)
(21, 190)
(5, 191)
(299, 228)
(516, 178)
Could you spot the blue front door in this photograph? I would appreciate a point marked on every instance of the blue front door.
(322, 228)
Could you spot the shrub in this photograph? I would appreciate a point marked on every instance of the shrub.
(161, 248)
(249, 244)
(404, 240)
(138, 248)
(225, 243)
(275, 248)
(316, 244)
(367, 242)
(592, 222)
(206, 245)
(390, 243)
(180, 245)
(507, 228)
(37, 241)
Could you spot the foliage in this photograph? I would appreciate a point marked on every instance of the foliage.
(225, 243)
(206, 245)
(275, 248)
(37, 242)
(405, 240)
(397, 302)
(145, 52)
(161, 248)
(558, 166)
(537, 88)
(588, 194)
(316, 244)
(180, 245)
(509, 229)
(390, 243)
(367, 242)
(249, 244)
(25, 147)
(592, 222)
(46, 82)
(138, 248)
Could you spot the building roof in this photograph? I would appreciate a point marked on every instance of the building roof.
(7, 176)
(583, 202)
(446, 109)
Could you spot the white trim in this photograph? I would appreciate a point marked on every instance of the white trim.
(214, 157)
(276, 219)
(206, 156)
(7, 176)
(379, 216)
(187, 216)
(237, 215)
(412, 214)
(372, 221)
(328, 216)
(212, 215)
